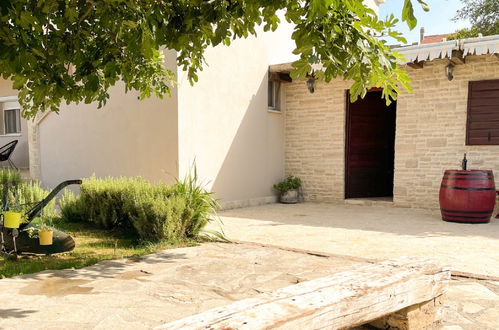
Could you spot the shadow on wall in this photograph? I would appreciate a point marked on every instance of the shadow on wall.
(255, 159)
(127, 137)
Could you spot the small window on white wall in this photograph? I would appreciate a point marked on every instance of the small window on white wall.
(10, 117)
(274, 95)
(12, 121)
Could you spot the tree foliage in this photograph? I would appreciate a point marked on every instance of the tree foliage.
(483, 16)
(74, 50)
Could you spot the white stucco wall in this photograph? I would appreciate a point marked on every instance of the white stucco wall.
(20, 154)
(127, 137)
(224, 122)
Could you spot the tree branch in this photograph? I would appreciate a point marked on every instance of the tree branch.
(92, 5)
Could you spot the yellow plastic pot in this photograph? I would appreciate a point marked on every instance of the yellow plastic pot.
(45, 237)
(11, 219)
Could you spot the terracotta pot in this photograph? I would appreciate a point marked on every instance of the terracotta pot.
(46, 237)
(289, 197)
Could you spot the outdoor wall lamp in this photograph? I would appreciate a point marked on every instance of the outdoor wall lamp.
(311, 82)
(449, 71)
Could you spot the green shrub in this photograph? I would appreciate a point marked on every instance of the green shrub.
(9, 175)
(72, 208)
(22, 196)
(290, 183)
(157, 219)
(25, 195)
(151, 211)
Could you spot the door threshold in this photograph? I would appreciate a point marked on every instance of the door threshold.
(370, 201)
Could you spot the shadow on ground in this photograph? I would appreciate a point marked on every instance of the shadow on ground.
(15, 313)
(109, 268)
(400, 221)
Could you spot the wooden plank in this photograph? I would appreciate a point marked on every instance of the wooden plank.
(490, 101)
(486, 93)
(417, 65)
(484, 109)
(285, 77)
(483, 85)
(457, 57)
(339, 301)
(285, 68)
(482, 141)
(279, 76)
(484, 132)
(483, 117)
(488, 125)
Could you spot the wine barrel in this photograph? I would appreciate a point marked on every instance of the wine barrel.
(467, 196)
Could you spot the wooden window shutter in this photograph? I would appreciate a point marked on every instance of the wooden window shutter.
(482, 125)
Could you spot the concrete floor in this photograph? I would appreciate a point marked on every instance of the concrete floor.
(369, 232)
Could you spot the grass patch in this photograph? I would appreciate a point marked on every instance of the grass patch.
(92, 245)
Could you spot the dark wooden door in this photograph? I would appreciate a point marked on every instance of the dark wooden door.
(370, 142)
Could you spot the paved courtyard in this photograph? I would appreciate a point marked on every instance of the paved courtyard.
(369, 232)
(376, 233)
(168, 285)
(158, 288)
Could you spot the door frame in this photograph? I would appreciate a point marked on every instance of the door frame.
(347, 137)
(347, 144)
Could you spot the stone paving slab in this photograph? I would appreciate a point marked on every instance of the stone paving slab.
(122, 294)
(472, 305)
(161, 287)
(385, 232)
(369, 232)
(172, 284)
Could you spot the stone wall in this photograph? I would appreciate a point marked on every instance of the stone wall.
(315, 139)
(431, 130)
(430, 134)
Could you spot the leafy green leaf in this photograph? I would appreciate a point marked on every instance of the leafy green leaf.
(74, 50)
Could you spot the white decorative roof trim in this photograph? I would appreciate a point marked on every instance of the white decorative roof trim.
(481, 46)
(427, 52)
(440, 50)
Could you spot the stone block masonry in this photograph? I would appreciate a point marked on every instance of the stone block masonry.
(430, 133)
(315, 139)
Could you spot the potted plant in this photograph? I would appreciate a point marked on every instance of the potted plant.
(42, 228)
(11, 218)
(12, 214)
(288, 189)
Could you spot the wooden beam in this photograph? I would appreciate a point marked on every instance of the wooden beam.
(457, 57)
(285, 67)
(280, 76)
(285, 77)
(416, 65)
(339, 301)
